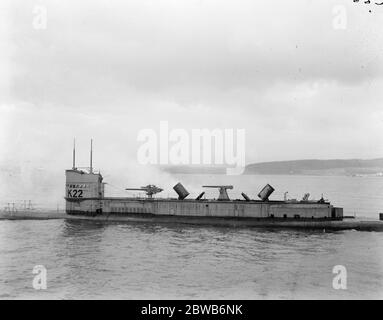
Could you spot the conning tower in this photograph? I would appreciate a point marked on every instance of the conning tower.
(84, 188)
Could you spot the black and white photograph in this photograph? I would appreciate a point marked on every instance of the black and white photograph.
(167, 151)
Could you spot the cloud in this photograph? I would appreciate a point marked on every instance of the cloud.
(158, 46)
(106, 69)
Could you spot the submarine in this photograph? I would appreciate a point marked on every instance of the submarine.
(85, 198)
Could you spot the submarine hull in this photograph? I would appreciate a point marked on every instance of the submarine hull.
(267, 223)
(238, 209)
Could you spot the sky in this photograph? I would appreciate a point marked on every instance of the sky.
(302, 77)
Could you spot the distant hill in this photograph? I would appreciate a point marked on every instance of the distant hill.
(318, 167)
(297, 167)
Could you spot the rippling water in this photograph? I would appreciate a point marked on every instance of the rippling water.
(86, 259)
(96, 260)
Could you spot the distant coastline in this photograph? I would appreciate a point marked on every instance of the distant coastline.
(348, 167)
(339, 167)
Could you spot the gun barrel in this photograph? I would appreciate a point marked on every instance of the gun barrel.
(225, 187)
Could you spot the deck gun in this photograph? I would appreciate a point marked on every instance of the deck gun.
(223, 196)
(150, 190)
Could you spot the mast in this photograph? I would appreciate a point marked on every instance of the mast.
(74, 154)
(91, 155)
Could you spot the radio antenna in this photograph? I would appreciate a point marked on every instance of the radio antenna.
(91, 155)
(74, 154)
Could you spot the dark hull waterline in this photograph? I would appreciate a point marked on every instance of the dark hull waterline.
(306, 224)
